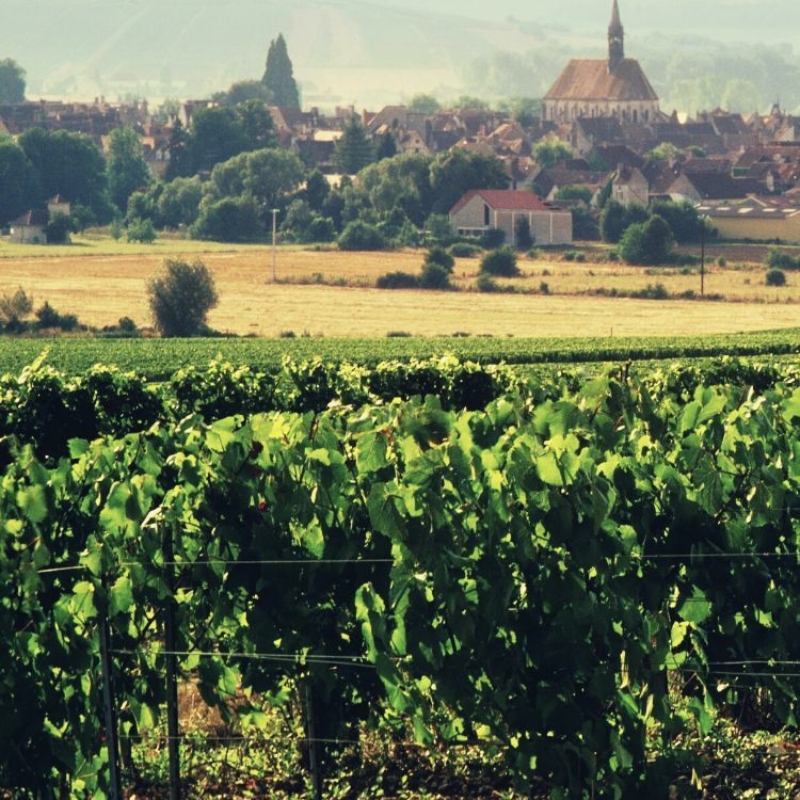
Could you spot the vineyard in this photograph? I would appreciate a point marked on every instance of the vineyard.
(571, 574)
(158, 359)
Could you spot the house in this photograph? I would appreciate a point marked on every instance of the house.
(31, 227)
(481, 209)
(612, 87)
(630, 187)
(590, 132)
(765, 219)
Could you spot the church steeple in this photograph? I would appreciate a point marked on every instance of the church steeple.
(616, 40)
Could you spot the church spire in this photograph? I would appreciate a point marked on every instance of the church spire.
(616, 40)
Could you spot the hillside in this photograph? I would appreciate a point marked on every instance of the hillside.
(344, 51)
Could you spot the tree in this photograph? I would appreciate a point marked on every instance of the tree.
(126, 168)
(387, 147)
(523, 237)
(70, 165)
(646, 243)
(12, 82)
(278, 76)
(457, 171)
(399, 182)
(317, 190)
(18, 181)
(179, 202)
(424, 104)
(216, 135)
(242, 92)
(257, 124)
(682, 218)
(180, 296)
(232, 219)
(359, 235)
(354, 149)
(550, 151)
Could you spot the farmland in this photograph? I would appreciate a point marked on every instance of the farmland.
(330, 294)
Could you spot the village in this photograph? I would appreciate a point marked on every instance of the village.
(741, 172)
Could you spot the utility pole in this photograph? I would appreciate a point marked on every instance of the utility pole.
(274, 242)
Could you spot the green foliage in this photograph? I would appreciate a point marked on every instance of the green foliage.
(683, 219)
(19, 181)
(12, 82)
(397, 280)
(424, 104)
(434, 276)
(48, 318)
(775, 277)
(279, 75)
(360, 235)
(582, 193)
(58, 229)
(585, 226)
(464, 250)
(493, 238)
(438, 255)
(180, 296)
(550, 151)
(14, 308)
(69, 165)
(232, 219)
(647, 243)
(455, 172)
(500, 263)
(523, 238)
(780, 259)
(354, 150)
(125, 166)
(486, 283)
(439, 229)
(558, 572)
(142, 230)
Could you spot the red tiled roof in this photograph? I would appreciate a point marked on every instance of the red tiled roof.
(590, 79)
(504, 200)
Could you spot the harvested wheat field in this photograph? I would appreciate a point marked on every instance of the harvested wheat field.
(331, 293)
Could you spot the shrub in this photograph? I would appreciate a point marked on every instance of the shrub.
(775, 277)
(397, 280)
(48, 317)
(486, 283)
(501, 262)
(780, 259)
(180, 296)
(493, 238)
(359, 235)
(463, 250)
(438, 255)
(141, 230)
(58, 229)
(524, 239)
(434, 276)
(14, 308)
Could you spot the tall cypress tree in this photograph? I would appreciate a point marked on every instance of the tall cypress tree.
(278, 77)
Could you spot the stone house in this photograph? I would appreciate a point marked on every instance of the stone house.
(482, 209)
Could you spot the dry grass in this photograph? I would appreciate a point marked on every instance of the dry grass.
(101, 281)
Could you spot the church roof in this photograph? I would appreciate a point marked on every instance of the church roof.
(590, 80)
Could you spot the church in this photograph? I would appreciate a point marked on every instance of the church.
(613, 87)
